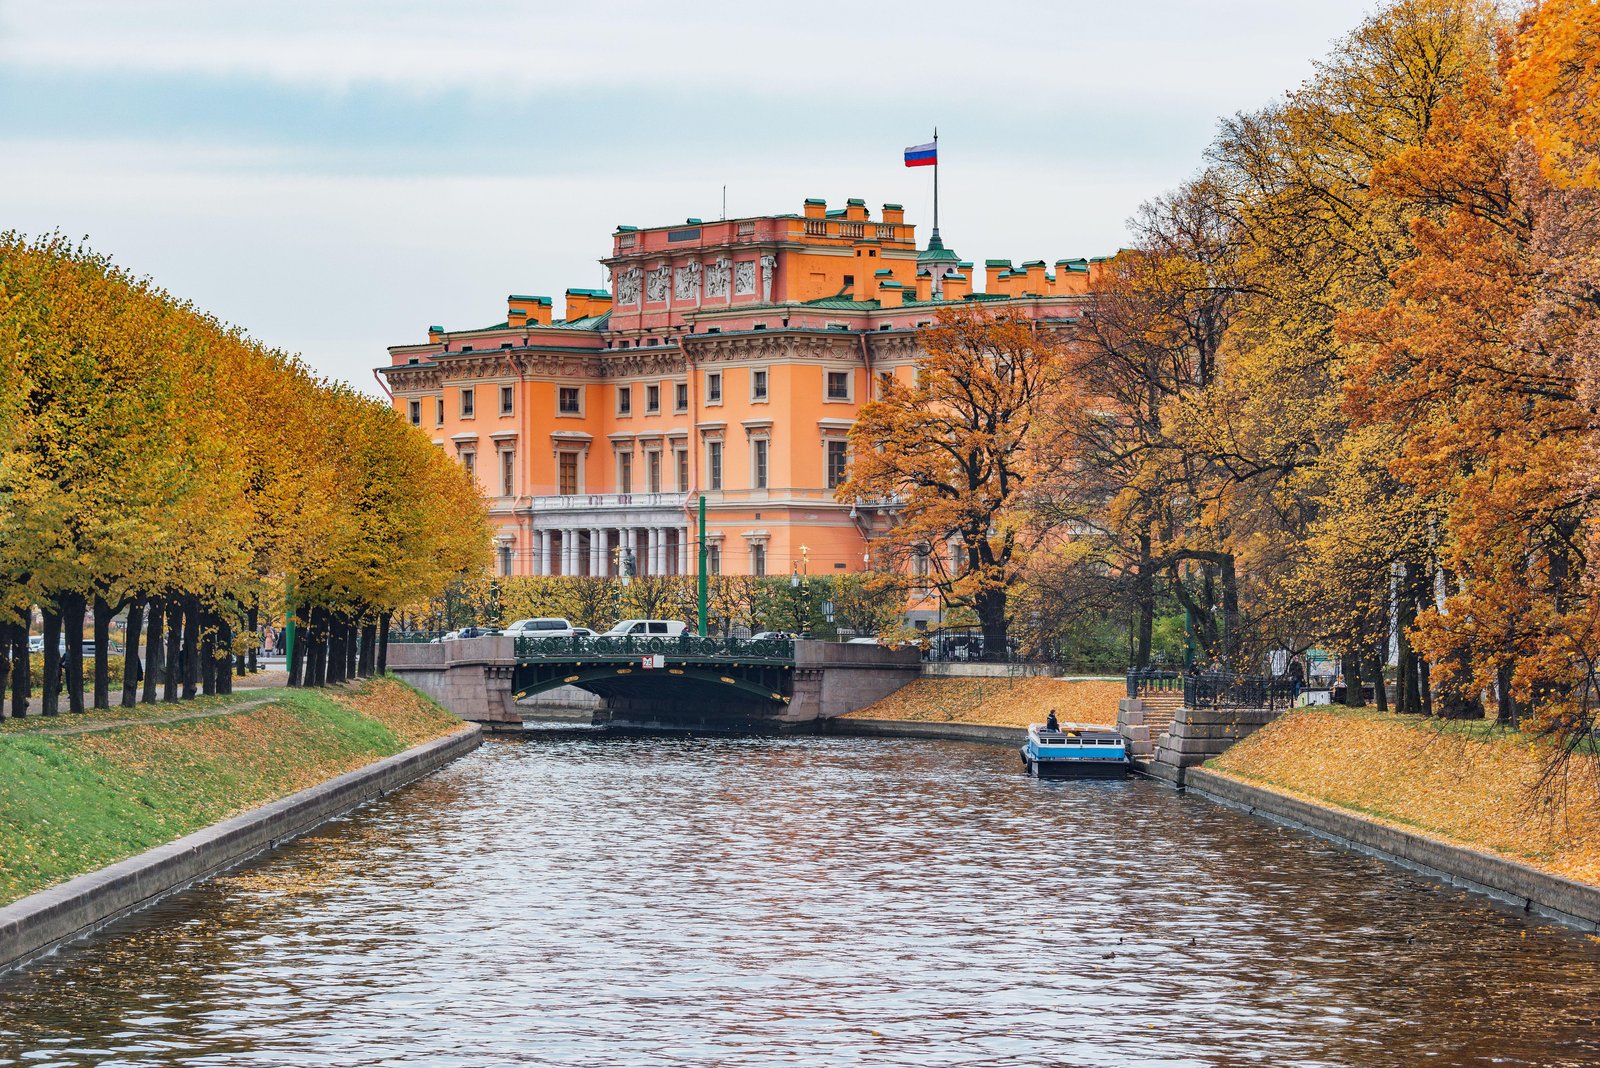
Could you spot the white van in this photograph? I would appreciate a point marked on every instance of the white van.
(553, 627)
(647, 628)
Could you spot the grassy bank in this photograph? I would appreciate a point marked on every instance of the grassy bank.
(1468, 783)
(999, 702)
(73, 800)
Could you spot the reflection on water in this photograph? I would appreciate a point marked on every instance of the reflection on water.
(667, 901)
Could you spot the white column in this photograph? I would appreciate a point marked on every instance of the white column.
(597, 551)
(541, 561)
(683, 551)
(655, 550)
(630, 538)
(569, 556)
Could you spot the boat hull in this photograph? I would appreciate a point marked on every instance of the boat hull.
(1068, 768)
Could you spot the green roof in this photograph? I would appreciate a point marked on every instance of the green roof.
(841, 303)
(890, 285)
(894, 207)
(626, 229)
(856, 202)
(531, 300)
(693, 222)
(435, 329)
(815, 200)
(602, 293)
(997, 263)
(988, 296)
(881, 272)
(590, 322)
(1033, 263)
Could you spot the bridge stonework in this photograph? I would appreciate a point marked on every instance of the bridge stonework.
(476, 678)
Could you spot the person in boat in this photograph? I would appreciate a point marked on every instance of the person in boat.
(1051, 723)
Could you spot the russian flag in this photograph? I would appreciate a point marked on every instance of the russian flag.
(923, 155)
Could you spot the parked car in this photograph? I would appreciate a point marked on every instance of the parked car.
(653, 628)
(549, 627)
(863, 641)
(449, 637)
(765, 635)
(583, 632)
(36, 643)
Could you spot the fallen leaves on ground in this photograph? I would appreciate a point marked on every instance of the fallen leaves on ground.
(1481, 792)
(1000, 701)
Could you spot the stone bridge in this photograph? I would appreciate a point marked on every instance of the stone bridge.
(687, 682)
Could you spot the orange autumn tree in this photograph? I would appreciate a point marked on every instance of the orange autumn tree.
(1482, 355)
(948, 451)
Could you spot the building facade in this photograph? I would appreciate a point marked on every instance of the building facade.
(728, 361)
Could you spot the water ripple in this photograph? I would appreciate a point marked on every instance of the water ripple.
(750, 902)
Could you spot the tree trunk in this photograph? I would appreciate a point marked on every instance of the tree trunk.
(1506, 704)
(174, 663)
(1232, 640)
(73, 607)
(1145, 600)
(991, 608)
(1380, 691)
(383, 643)
(155, 647)
(8, 640)
(130, 659)
(50, 698)
(253, 621)
(224, 646)
(369, 650)
(352, 651)
(191, 645)
(208, 654)
(296, 658)
(102, 638)
(21, 669)
(1350, 660)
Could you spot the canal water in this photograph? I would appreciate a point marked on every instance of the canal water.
(671, 901)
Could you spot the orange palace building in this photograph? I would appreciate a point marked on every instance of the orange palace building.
(729, 361)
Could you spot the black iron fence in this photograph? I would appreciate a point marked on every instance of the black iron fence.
(961, 646)
(1215, 689)
(681, 647)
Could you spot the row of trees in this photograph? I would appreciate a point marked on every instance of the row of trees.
(870, 603)
(157, 462)
(1341, 391)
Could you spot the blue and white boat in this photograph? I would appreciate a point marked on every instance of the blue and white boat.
(1075, 751)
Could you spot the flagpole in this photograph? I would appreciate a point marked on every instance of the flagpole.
(936, 181)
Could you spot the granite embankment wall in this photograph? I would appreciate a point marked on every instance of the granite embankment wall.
(37, 924)
(1564, 900)
(959, 732)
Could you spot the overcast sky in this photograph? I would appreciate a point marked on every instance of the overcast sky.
(335, 175)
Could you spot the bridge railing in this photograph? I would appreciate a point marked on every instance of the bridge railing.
(682, 647)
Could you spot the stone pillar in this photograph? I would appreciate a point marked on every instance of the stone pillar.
(597, 551)
(684, 540)
(659, 549)
(630, 538)
(542, 540)
(569, 551)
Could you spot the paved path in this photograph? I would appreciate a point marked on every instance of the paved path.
(105, 725)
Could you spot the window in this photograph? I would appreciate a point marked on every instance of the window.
(652, 461)
(758, 385)
(415, 409)
(714, 465)
(885, 380)
(469, 459)
(838, 454)
(624, 472)
(713, 559)
(838, 385)
(682, 457)
(758, 560)
(468, 402)
(758, 463)
(652, 399)
(438, 411)
(567, 467)
(508, 473)
(505, 400)
(570, 401)
(849, 281)
(680, 397)
(713, 387)
(624, 400)
(505, 559)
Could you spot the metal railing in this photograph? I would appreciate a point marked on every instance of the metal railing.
(682, 647)
(1145, 680)
(1214, 689)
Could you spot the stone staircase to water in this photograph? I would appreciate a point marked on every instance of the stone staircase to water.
(1164, 738)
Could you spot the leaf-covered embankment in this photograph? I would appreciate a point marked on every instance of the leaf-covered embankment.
(1000, 702)
(72, 803)
(1465, 782)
